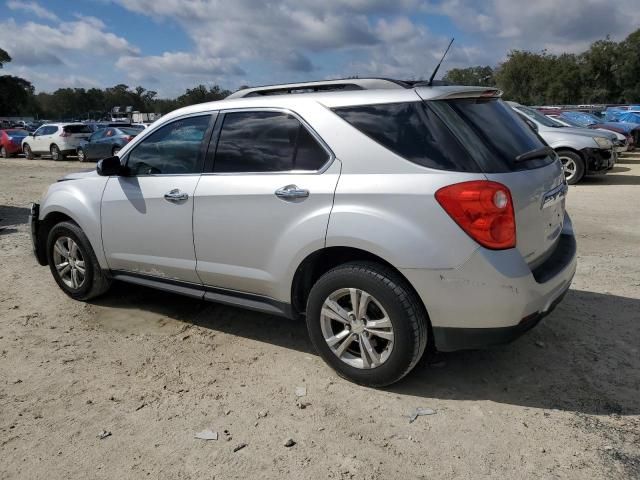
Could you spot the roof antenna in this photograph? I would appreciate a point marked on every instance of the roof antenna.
(430, 83)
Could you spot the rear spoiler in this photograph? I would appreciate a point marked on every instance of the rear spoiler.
(448, 93)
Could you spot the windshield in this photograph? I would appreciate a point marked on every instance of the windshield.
(129, 131)
(538, 117)
(585, 119)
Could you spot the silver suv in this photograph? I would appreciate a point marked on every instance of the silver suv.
(394, 217)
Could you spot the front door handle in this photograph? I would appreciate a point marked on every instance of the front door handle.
(292, 192)
(176, 196)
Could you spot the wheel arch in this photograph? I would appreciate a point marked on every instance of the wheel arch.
(321, 261)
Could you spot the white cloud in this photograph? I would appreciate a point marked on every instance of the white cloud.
(32, 7)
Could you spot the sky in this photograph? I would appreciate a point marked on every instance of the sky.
(171, 45)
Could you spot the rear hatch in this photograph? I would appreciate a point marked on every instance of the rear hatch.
(508, 151)
(77, 131)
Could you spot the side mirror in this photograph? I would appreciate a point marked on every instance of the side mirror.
(109, 166)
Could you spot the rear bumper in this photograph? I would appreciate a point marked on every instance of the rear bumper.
(598, 160)
(494, 297)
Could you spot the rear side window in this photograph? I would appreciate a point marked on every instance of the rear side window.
(266, 142)
(77, 129)
(412, 131)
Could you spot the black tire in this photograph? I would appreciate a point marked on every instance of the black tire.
(404, 308)
(95, 281)
(56, 154)
(4, 153)
(81, 155)
(567, 156)
(28, 153)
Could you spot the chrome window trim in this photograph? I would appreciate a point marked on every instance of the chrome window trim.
(314, 134)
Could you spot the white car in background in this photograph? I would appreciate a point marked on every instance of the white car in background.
(621, 143)
(55, 139)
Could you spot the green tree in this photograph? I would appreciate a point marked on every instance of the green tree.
(4, 57)
(475, 76)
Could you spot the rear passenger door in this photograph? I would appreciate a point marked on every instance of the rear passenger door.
(263, 202)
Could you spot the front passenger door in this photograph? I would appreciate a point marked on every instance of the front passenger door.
(147, 214)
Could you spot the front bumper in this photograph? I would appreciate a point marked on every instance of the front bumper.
(34, 222)
(494, 297)
(599, 160)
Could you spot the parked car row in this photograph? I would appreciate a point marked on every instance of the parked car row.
(582, 151)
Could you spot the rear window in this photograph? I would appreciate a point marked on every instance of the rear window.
(17, 132)
(77, 129)
(466, 135)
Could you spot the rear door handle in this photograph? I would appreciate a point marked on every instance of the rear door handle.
(176, 196)
(292, 192)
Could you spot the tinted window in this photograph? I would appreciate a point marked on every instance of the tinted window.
(266, 142)
(413, 131)
(173, 148)
(493, 134)
(97, 136)
(77, 129)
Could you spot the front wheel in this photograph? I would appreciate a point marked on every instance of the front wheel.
(573, 166)
(3, 153)
(28, 153)
(367, 323)
(73, 263)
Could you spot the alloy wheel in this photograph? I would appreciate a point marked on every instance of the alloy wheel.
(55, 153)
(570, 167)
(81, 155)
(69, 262)
(357, 328)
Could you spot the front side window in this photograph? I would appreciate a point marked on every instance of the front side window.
(173, 148)
(265, 141)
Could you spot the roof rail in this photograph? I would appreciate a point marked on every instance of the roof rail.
(321, 86)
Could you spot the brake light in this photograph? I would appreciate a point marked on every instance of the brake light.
(128, 138)
(484, 210)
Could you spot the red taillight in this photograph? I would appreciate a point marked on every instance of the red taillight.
(484, 210)
(128, 138)
(65, 134)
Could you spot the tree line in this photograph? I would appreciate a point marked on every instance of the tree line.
(608, 72)
(18, 98)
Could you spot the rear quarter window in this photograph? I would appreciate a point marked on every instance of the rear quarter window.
(412, 131)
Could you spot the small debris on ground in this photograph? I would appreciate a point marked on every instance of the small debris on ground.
(263, 413)
(301, 391)
(141, 406)
(227, 411)
(290, 442)
(207, 435)
(418, 412)
(239, 447)
(104, 434)
(302, 405)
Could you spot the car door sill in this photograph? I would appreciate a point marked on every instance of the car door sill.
(233, 298)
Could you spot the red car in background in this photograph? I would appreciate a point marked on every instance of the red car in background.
(11, 141)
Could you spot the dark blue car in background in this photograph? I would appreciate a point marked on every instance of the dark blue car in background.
(106, 143)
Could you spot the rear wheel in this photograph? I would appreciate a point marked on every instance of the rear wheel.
(56, 154)
(73, 263)
(573, 166)
(367, 323)
(28, 153)
(3, 153)
(81, 155)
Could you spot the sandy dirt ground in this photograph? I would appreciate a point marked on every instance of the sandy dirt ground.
(154, 369)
